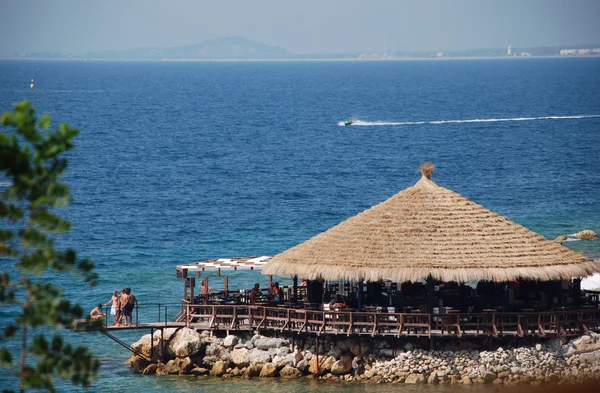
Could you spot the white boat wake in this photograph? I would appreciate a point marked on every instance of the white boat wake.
(362, 123)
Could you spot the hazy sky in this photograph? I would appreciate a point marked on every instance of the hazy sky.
(306, 26)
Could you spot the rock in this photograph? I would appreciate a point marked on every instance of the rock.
(240, 357)
(489, 377)
(453, 380)
(230, 341)
(587, 343)
(209, 361)
(186, 365)
(302, 365)
(217, 351)
(324, 366)
(433, 379)
(283, 351)
(269, 370)
(538, 347)
(218, 368)
(358, 365)
(138, 363)
(344, 345)
(166, 369)
(199, 371)
(497, 381)
(289, 372)
(408, 347)
(185, 342)
(342, 366)
(258, 356)
(359, 349)
(267, 343)
(466, 381)
(586, 234)
(377, 378)
(253, 371)
(236, 372)
(414, 379)
(560, 239)
(150, 370)
(335, 352)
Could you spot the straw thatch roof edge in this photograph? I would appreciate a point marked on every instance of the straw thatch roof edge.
(540, 273)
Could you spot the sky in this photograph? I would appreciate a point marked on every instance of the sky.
(306, 26)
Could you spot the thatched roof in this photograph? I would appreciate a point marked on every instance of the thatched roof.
(430, 230)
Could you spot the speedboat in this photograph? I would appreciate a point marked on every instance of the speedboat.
(348, 122)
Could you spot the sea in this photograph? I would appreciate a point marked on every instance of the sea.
(179, 162)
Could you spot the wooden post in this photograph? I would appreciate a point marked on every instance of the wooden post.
(219, 272)
(151, 343)
(317, 352)
(205, 291)
(359, 296)
(430, 290)
(184, 276)
(295, 280)
(198, 274)
(226, 286)
(192, 285)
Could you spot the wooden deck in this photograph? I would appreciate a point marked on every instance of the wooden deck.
(249, 318)
(233, 318)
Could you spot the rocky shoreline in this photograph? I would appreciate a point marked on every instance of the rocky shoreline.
(372, 360)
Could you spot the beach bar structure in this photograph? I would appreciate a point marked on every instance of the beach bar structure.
(425, 262)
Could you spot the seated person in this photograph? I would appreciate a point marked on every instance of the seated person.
(340, 304)
(97, 313)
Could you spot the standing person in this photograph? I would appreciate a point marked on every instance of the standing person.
(131, 303)
(254, 293)
(277, 293)
(123, 300)
(115, 308)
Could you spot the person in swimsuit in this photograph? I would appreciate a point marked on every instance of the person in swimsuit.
(115, 308)
(123, 298)
(254, 293)
(277, 293)
(97, 313)
(131, 303)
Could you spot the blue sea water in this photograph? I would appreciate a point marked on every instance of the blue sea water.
(179, 162)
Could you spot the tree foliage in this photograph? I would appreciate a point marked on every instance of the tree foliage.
(32, 163)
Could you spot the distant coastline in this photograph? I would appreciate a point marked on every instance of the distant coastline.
(300, 59)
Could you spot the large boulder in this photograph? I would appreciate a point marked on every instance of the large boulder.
(561, 239)
(584, 344)
(240, 357)
(586, 234)
(342, 366)
(218, 351)
(138, 363)
(150, 370)
(253, 370)
(258, 356)
(146, 347)
(358, 365)
(166, 369)
(324, 365)
(186, 342)
(230, 341)
(302, 365)
(414, 379)
(267, 343)
(186, 365)
(359, 348)
(218, 368)
(289, 372)
(269, 370)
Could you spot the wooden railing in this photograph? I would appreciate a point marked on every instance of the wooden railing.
(280, 319)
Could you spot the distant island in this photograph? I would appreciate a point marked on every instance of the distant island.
(239, 48)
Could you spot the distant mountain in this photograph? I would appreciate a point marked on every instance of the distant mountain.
(220, 48)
